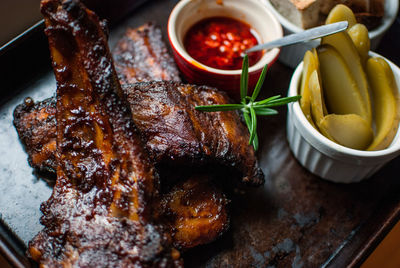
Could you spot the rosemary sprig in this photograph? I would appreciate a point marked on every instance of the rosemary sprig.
(248, 105)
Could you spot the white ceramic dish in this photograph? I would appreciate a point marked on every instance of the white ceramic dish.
(188, 12)
(326, 158)
(293, 55)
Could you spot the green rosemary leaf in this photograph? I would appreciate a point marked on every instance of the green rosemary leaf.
(244, 77)
(280, 102)
(247, 119)
(288, 99)
(255, 142)
(248, 123)
(259, 84)
(267, 100)
(219, 108)
(253, 124)
(265, 111)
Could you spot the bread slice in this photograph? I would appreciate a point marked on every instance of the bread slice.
(311, 13)
(303, 13)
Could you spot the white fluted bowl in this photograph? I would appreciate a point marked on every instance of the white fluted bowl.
(293, 55)
(326, 158)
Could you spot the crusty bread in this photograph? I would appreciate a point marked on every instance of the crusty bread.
(310, 13)
(303, 13)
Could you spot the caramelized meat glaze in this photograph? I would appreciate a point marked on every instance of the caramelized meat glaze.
(180, 135)
(107, 174)
(35, 133)
(175, 133)
(195, 212)
(36, 126)
(100, 211)
(141, 55)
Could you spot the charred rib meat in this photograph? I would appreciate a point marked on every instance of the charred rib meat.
(34, 133)
(195, 212)
(177, 134)
(141, 55)
(100, 211)
(36, 126)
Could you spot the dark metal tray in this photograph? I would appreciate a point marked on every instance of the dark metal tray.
(295, 220)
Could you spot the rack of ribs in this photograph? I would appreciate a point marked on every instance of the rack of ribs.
(178, 135)
(194, 211)
(140, 55)
(100, 211)
(174, 133)
(207, 220)
(195, 216)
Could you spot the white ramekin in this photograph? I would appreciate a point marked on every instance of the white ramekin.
(293, 55)
(326, 158)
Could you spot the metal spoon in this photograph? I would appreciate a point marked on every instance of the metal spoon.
(303, 36)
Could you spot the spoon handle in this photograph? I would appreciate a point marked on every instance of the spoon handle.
(306, 35)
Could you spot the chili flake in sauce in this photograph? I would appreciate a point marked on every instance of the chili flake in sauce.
(220, 42)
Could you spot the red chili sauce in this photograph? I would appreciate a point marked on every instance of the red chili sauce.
(220, 42)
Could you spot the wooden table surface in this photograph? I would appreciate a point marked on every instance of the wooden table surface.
(387, 254)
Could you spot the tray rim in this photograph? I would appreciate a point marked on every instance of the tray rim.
(343, 255)
(19, 39)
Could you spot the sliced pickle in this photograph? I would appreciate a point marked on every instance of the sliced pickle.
(349, 130)
(309, 65)
(340, 13)
(317, 103)
(359, 34)
(341, 93)
(346, 48)
(385, 97)
(315, 53)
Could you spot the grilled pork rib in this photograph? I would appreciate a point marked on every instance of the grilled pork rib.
(210, 220)
(100, 211)
(174, 132)
(200, 144)
(141, 55)
(195, 212)
(36, 126)
(177, 134)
